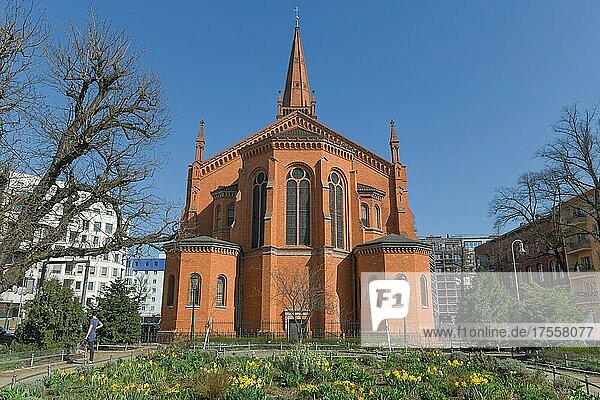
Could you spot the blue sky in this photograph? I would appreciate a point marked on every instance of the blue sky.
(474, 86)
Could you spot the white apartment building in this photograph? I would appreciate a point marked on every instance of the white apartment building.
(146, 276)
(86, 276)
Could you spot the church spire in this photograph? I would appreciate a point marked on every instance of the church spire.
(200, 142)
(394, 143)
(297, 94)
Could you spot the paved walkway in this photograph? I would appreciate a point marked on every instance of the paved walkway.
(593, 379)
(40, 371)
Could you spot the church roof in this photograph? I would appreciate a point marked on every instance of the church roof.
(225, 191)
(297, 90)
(364, 188)
(296, 119)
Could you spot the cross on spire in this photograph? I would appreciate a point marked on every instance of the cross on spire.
(297, 12)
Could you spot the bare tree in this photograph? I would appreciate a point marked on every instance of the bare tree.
(302, 294)
(531, 201)
(573, 166)
(566, 191)
(22, 34)
(96, 142)
(140, 288)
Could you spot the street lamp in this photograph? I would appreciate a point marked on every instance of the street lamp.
(521, 251)
(194, 281)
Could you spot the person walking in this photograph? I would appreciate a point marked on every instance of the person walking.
(90, 337)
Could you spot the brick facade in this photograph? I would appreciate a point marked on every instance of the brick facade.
(312, 226)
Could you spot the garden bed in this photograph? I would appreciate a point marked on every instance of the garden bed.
(174, 373)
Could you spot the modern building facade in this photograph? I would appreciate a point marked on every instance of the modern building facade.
(454, 264)
(295, 204)
(146, 276)
(86, 276)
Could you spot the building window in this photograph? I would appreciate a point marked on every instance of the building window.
(336, 210)
(259, 200)
(297, 208)
(230, 214)
(364, 215)
(171, 291)
(377, 217)
(85, 224)
(218, 217)
(109, 229)
(424, 292)
(104, 271)
(221, 291)
(195, 289)
(90, 286)
(97, 226)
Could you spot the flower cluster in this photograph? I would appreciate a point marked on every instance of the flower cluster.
(455, 363)
(308, 388)
(404, 376)
(432, 370)
(100, 378)
(213, 369)
(477, 379)
(131, 388)
(246, 381)
(352, 388)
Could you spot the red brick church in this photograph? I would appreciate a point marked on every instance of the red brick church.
(294, 206)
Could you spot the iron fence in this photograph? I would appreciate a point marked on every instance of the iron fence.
(267, 330)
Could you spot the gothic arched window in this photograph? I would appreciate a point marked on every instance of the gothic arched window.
(336, 210)
(377, 217)
(195, 289)
(259, 201)
(221, 291)
(364, 215)
(219, 216)
(171, 291)
(297, 208)
(424, 292)
(230, 214)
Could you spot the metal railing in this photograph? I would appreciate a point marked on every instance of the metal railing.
(27, 359)
(267, 330)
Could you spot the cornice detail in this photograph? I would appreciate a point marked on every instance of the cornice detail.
(297, 120)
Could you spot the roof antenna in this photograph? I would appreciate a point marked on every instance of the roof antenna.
(297, 12)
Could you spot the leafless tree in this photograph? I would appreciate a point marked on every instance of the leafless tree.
(140, 288)
(302, 294)
(22, 34)
(531, 201)
(573, 166)
(95, 142)
(567, 189)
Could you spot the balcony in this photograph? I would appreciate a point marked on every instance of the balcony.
(579, 245)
